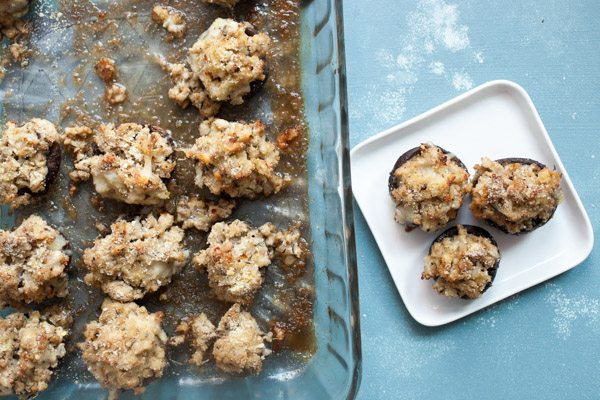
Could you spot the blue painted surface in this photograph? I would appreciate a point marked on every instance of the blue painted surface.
(544, 342)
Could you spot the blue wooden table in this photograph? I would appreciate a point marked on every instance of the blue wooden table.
(404, 57)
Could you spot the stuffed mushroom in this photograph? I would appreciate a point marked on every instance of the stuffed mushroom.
(29, 160)
(516, 195)
(428, 186)
(463, 262)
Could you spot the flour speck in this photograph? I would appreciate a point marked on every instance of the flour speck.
(479, 57)
(437, 68)
(462, 81)
(568, 309)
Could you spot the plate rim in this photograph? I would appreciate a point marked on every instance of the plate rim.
(586, 246)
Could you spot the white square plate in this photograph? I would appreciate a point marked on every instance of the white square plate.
(496, 120)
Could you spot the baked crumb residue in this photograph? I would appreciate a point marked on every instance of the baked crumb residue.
(199, 332)
(125, 347)
(33, 259)
(27, 152)
(127, 163)
(194, 212)
(136, 258)
(31, 346)
(171, 19)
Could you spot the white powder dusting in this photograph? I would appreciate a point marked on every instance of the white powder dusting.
(437, 23)
(568, 309)
(479, 57)
(433, 27)
(437, 68)
(462, 81)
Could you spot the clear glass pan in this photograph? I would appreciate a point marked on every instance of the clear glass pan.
(334, 370)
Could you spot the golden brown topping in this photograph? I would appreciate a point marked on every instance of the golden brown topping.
(125, 347)
(32, 263)
(24, 160)
(127, 163)
(236, 158)
(137, 258)
(461, 264)
(241, 344)
(515, 197)
(115, 93)
(430, 188)
(30, 347)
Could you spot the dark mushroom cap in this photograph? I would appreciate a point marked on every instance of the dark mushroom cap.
(476, 231)
(393, 181)
(53, 158)
(537, 222)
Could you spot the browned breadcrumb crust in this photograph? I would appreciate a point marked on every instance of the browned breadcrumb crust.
(461, 264)
(224, 3)
(127, 163)
(23, 160)
(32, 263)
(136, 258)
(200, 333)
(194, 212)
(517, 197)
(227, 59)
(125, 347)
(240, 346)
(431, 189)
(171, 19)
(286, 138)
(220, 67)
(236, 158)
(106, 69)
(30, 347)
(236, 252)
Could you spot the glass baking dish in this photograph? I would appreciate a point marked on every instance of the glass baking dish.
(334, 370)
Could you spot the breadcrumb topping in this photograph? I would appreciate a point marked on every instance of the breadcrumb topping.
(30, 347)
(32, 263)
(431, 187)
(200, 332)
(221, 66)
(516, 197)
(227, 59)
(236, 252)
(240, 346)
(194, 212)
(461, 264)
(127, 163)
(24, 154)
(125, 347)
(233, 259)
(136, 258)
(236, 158)
(171, 19)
